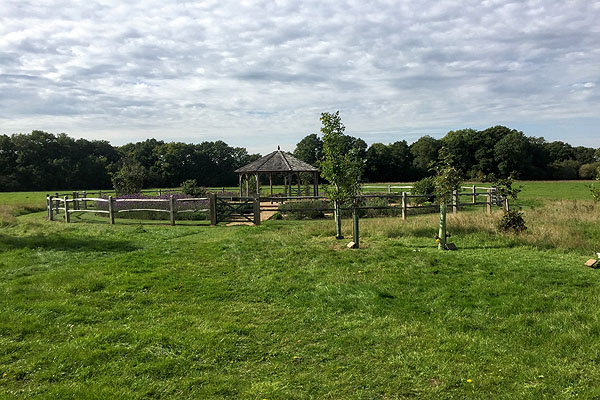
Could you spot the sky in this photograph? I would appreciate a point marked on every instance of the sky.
(258, 74)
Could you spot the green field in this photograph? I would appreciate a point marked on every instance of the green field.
(285, 311)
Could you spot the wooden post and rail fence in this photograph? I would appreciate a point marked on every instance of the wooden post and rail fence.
(221, 208)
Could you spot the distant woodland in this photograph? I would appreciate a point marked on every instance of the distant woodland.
(45, 161)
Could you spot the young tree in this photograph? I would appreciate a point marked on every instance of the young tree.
(447, 179)
(129, 178)
(595, 187)
(342, 169)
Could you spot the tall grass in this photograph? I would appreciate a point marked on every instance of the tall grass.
(569, 225)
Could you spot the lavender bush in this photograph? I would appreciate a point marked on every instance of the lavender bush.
(162, 203)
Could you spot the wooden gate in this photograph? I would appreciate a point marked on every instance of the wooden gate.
(234, 209)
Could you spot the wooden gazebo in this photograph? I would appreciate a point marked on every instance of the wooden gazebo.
(277, 162)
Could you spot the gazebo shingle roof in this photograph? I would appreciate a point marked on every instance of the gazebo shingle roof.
(277, 161)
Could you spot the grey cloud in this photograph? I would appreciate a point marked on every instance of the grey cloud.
(235, 70)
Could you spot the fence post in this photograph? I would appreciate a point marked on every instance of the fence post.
(404, 206)
(50, 208)
(389, 188)
(56, 204)
(159, 192)
(454, 201)
(489, 201)
(257, 210)
(474, 194)
(213, 208)
(111, 211)
(355, 234)
(172, 209)
(84, 201)
(75, 196)
(506, 205)
(100, 193)
(67, 216)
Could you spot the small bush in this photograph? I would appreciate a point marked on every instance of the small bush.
(589, 171)
(595, 190)
(191, 188)
(304, 209)
(512, 221)
(376, 211)
(129, 178)
(423, 187)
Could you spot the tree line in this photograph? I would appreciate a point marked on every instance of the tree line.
(45, 161)
(476, 153)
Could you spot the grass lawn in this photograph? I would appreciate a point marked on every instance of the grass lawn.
(283, 310)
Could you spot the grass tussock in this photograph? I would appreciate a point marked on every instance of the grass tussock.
(7, 215)
(564, 224)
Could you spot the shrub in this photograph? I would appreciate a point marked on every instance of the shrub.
(377, 211)
(191, 188)
(304, 209)
(129, 178)
(425, 186)
(512, 221)
(595, 189)
(589, 171)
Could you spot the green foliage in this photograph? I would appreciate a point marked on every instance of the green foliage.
(190, 187)
(589, 171)
(129, 178)
(423, 152)
(595, 187)
(425, 186)
(447, 177)
(595, 190)
(565, 169)
(389, 163)
(504, 186)
(309, 149)
(304, 209)
(512, 221)
(341, 168)
(374, 210)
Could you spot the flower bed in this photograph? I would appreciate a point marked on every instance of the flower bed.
(185, 210)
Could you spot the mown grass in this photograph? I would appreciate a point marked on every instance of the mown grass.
(283, 310)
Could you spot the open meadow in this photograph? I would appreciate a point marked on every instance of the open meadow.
(283, 310)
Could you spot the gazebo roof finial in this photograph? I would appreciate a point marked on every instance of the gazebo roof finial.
(278, 148)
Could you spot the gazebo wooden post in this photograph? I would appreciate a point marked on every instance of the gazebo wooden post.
(247, 186)
(271, 185)
(298, 178)
(316, 184)
(257, 185)
(240, 182)
(285, 186)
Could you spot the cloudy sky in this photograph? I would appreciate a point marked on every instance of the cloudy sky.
(258, 74)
